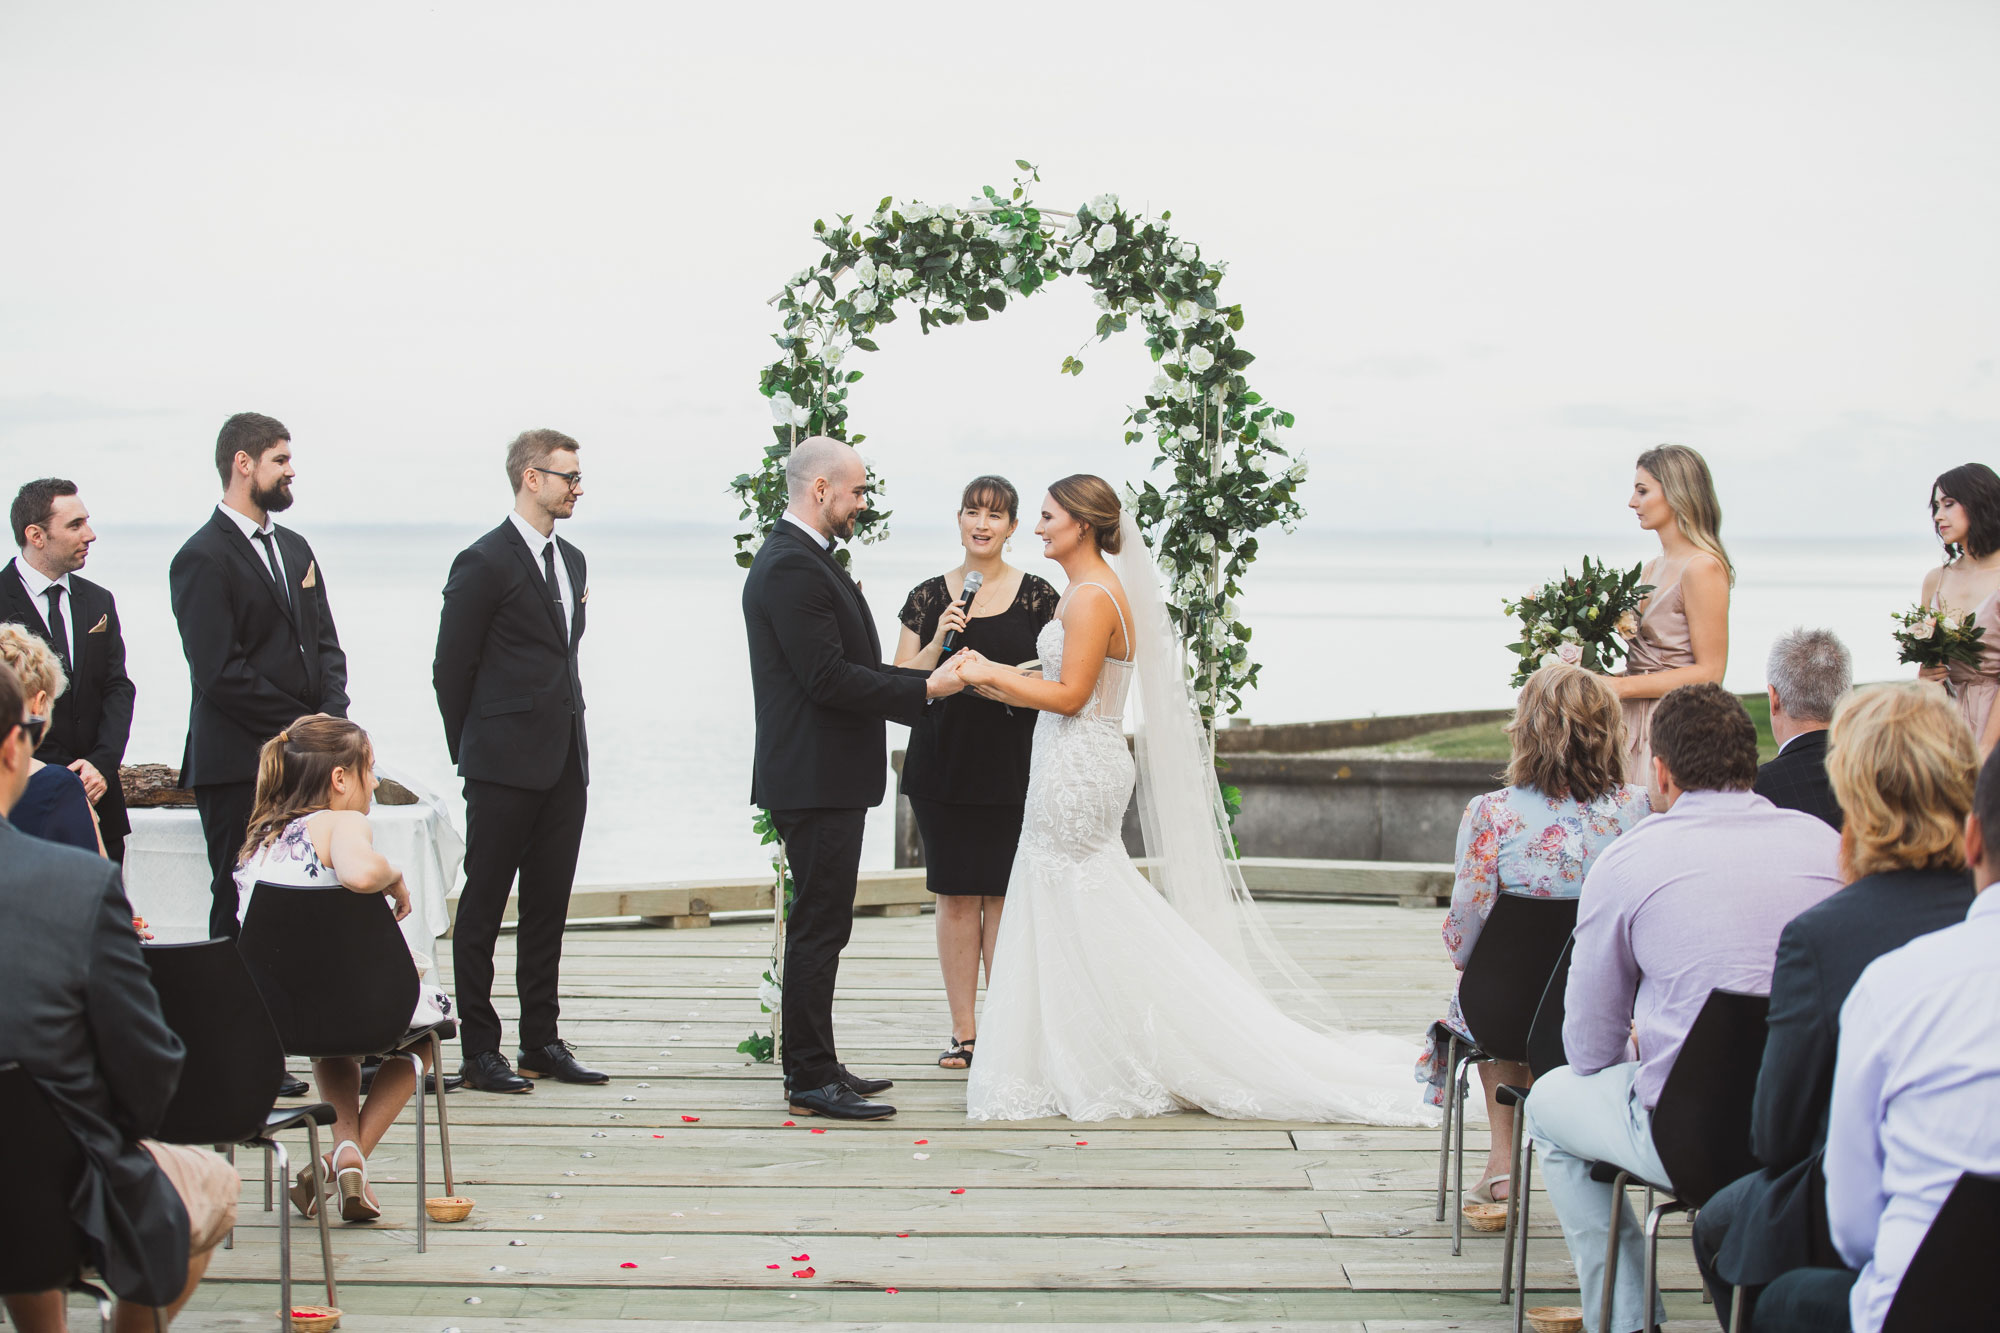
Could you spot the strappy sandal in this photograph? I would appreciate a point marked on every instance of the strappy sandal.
(352, 1184)
(306, 1193)
(959, 1050)
(1483, 1191)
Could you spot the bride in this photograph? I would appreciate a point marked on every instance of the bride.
(1111, 996)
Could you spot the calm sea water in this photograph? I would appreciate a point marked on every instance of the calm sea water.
(1346, 627)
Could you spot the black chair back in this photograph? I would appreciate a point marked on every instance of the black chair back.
(1701, 1128)
(333, 968)
(1504, 981)
(1545, 1033)
(40, 1249)
(1947, 1284)
(234, 1059)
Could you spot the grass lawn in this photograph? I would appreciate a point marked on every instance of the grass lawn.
(1488, 740)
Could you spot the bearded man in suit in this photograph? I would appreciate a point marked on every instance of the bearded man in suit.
(257, 630)
(822, 694)
(42, 590)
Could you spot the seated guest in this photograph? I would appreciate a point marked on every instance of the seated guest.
(1807, 672)
(55, 805)
(1563, 804)
(82, 1019)
(309, 830)
(1902, 766)
(1914, 1091)
(1690, 901)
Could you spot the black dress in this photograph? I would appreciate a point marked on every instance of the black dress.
(966, 769)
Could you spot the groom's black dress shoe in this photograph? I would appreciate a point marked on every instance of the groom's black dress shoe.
(837, 1101)
(489, 1071)
(292, 1087)
(558, 1062)
(864, 1087)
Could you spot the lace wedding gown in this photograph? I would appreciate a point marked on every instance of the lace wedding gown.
(1106, 1003)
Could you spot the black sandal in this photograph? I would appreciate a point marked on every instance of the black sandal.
(959, 1050)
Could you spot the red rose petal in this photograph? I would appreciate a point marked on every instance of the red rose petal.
(659, 1136)
(958, 1191)
(819, 1131)
(770, 1265)
(691, 1119)
(888, 1291)
(800, 1258)
(923, 1141)
(1083, 1143)
(805, 1272)
(628, 1265)
(790, 1123)
(902, 1235)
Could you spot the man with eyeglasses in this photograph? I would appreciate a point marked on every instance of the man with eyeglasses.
(257, 630)
(43, 591)
(512, 703)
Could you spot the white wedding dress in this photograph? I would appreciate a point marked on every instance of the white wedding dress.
(1106, 1001)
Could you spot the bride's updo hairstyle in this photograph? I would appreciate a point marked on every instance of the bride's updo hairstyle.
(1090, 501)
(295, 773)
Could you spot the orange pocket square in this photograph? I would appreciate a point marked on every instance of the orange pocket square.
(311, 579)
(103, 624)
(586, 597)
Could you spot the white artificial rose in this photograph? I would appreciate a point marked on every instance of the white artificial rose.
(864, 301)
(754, 545)
(864, 272)
(1004, 237)
(1132, 305)
(1297, 471)
(1550, 659)
(833, 353)
(1183, 390)
(1008, 263)
(1207, 543)
(937, 226)
(1213, 506)
(1161, 387)
(1186, 251)
(1081, 255)
(1106, 237)
(1200, 358)
(1103, 206)
(981, 227)
(1075, 228)
(1186, 310)
(1190, 432)
(948, 211)
(1101, 301)
(967, 261)
(904, 277)
(1256, 463)
(788, 413)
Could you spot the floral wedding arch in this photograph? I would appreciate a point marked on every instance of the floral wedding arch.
(1226, 475)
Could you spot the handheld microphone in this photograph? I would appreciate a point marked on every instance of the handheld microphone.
(972, 581)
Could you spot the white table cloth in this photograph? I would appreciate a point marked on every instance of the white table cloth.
(167, 876)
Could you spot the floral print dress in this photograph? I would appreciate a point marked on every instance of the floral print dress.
(1518, 840)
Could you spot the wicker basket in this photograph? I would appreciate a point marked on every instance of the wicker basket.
(314, 1318)
(1556, 1319)
(1486, 1216)
(448, 1208)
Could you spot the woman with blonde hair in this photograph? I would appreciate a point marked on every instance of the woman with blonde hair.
(1565, 801)
(1901, 764)
(309, 830)
(55, 806)
(1682, 637)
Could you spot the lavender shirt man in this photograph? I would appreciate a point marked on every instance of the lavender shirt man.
(1689, 901)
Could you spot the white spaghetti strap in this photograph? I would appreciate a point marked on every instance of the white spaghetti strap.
(1122, 629)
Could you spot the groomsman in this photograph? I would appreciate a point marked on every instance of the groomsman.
(42, 590)
(257, 631)
(512, 702)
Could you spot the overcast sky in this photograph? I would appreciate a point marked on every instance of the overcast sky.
(1487, 253)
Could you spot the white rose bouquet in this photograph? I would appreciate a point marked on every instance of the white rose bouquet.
(1930, 638)
(1582, 619)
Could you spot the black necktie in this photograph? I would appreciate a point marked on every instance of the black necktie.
(58, 627)
(549, 571)
(271, 552)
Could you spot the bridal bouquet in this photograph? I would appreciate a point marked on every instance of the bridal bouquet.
(1930, 638)
(1581, 619)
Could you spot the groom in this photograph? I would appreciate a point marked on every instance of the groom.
(822, 692)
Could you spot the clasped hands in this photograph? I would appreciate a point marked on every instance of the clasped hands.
(966, 669)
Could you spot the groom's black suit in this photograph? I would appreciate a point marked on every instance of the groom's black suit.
(822, 693)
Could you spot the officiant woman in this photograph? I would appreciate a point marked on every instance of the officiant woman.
(966, 769)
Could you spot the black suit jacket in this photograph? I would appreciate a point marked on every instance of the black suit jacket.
(93, 720)
(256, 663)
(1796, 779)
(83, 1020)
(505, 673)
(1821, 954)
(817, 674)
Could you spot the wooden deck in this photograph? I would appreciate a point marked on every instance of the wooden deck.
(600, 1204)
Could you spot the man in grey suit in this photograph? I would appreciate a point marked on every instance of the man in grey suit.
(78, 1012)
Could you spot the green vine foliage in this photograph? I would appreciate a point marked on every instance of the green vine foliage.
(1220, 475)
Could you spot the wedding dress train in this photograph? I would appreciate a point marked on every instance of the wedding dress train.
(1106, 999)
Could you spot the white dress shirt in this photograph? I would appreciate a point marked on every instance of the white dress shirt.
(1916, 1098)
(38, 585)
(536, 541)
(823, 541)
(254, 535)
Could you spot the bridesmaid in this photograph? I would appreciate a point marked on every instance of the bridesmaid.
(1965, 510)
(1683, 636)
(966, 769)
